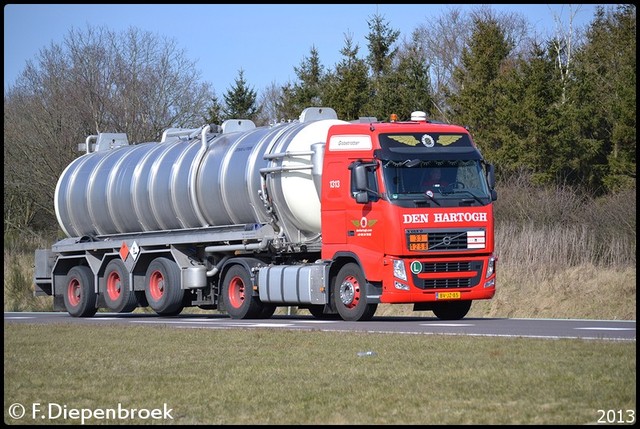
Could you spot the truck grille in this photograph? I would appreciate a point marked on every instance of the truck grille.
(446, 267)
(426, 240)
(446, 284)
(472, 269)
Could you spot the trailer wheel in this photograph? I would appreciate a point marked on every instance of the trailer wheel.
(162, 287)
(118, 296)
(80, 297)
(451, 310)
(349, 294)
(237, 295)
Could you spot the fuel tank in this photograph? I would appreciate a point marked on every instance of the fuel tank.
(212, 179)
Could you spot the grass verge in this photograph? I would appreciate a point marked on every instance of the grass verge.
(264, 376)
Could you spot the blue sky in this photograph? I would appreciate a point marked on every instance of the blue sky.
(265, 40)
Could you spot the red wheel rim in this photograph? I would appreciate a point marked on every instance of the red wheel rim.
(350, 292)
(156, 285)
(236, 292)
(114, 286)
(74, 292)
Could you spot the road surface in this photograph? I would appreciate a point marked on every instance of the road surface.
(624, 330)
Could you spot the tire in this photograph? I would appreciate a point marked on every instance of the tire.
(237, 295)
(350, 296)
(267, 311)
(317, 311)
(117, 293)
(451, 310)
(162, 287)
(80, 296)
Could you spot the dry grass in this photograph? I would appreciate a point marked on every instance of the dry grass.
(582, 292)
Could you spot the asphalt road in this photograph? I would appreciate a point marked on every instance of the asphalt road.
(618, 330)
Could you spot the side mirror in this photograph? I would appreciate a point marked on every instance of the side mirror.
(360, 177)
(491, 175)
(360, 183)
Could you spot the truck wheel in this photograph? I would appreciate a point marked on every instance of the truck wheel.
(317, 311)
(451, 310)
(267, 311)
(162, 287)
(349, 294)
(118, 296)
(237, 295)
(80, 297)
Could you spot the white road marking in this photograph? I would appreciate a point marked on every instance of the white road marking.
(597, 328)
(226, 323)
(447, 325)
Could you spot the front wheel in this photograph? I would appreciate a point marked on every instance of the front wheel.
(80, 296)
(451, 310)
(350, 294)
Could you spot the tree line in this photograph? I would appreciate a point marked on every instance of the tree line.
(561, 109)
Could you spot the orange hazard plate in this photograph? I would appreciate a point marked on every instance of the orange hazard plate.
(448, 295)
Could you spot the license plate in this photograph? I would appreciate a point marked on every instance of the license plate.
(448, 295)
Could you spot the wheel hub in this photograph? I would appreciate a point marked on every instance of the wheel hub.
(347, 292)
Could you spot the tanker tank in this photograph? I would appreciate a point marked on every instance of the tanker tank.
(214, 179)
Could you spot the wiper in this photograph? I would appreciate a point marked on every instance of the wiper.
(429, 194)
(411, 196)
(458, 191)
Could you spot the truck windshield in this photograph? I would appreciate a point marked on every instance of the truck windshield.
(450, 182)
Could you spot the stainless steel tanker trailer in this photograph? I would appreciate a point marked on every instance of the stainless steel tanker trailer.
(221, 217)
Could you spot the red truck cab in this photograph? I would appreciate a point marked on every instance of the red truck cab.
(432, 246)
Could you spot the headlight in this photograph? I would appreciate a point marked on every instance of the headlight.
(398, 270)
(491, 266)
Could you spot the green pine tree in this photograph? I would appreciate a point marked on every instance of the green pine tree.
(240, 100)
(307, 91)
(347, 88)
(604, 97)
(476, 104)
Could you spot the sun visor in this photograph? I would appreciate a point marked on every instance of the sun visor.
(435, 145)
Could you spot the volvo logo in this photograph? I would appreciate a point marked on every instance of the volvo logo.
(427, 140)
(447, 240)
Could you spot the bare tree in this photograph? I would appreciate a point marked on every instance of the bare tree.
(95, 81)
(133, 82)
(271, 105)
(443, 39)
(563, 45)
